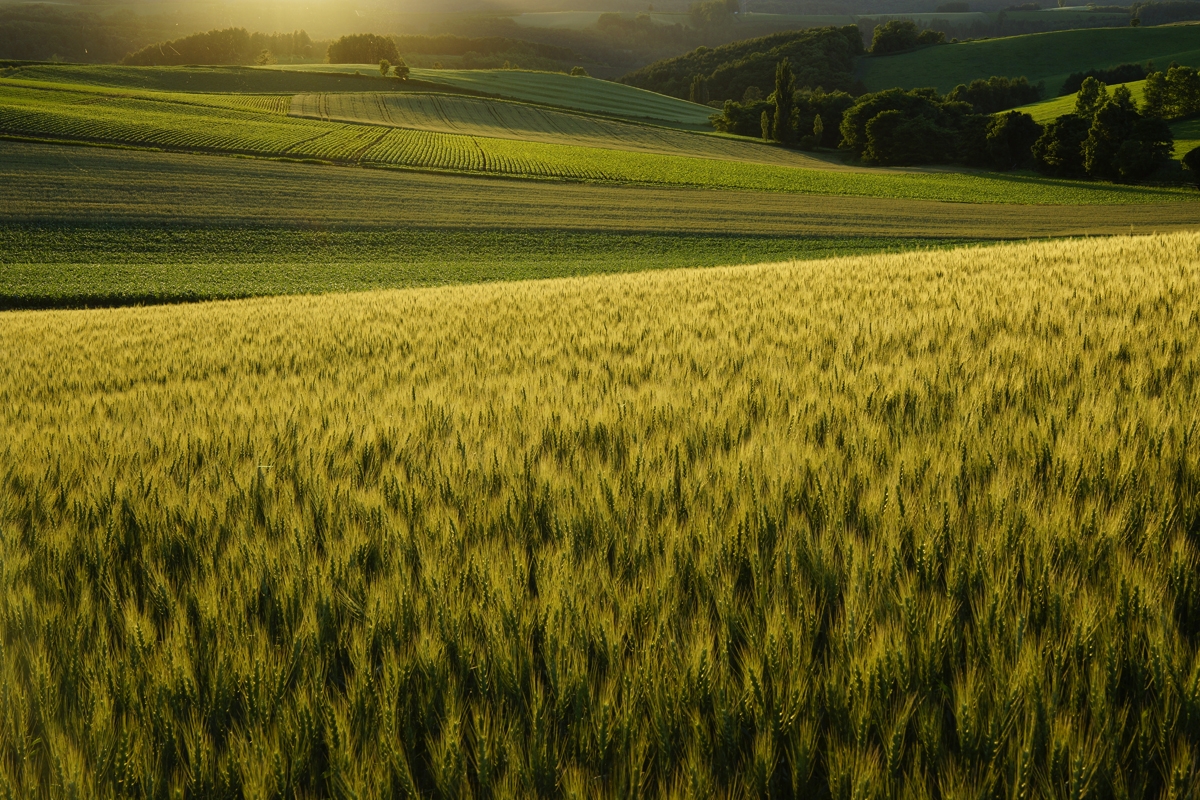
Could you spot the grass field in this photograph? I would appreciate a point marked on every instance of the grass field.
(1049, 57)
(921, 525)
(506, 119)
(101, 116)
(553, 89)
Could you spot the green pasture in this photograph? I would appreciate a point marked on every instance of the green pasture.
(1040, 57)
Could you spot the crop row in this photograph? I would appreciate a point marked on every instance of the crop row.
(81, 116)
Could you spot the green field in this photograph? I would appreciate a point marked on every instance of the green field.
(58, 266)
(585, 94)
(908, 526)
(552, 89)
(98, 226)
(507, 119)
(1048, 57)
(234, 80)
(97, 115)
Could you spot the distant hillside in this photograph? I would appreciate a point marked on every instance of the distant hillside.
(820, 57)
(1048, 57)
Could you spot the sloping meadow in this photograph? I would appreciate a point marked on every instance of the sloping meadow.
(919, 525)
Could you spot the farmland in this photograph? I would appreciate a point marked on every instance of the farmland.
(98, 115)
(1049, 57)
(96, 226)
(503, 119)
(551, 89)
(921, 524)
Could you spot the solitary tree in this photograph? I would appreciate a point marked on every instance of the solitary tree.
(785, 99)
(385, 67)
(400, 70)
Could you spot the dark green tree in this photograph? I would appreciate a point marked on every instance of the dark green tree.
(1148, 147)
(785, 91)
(1112, 125)
(1191, 161)
(894, 138)
(1010, 139)
(1092, 95)
(765, 121)
(1059, 150)
(894, 36)
(362, 48)
(400, 70)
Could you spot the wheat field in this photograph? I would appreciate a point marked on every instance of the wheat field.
(920, 525)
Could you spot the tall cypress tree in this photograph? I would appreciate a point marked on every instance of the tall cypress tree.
(785, 91)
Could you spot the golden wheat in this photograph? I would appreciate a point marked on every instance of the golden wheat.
(919, 525)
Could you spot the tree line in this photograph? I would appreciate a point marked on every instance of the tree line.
(1107, 136)
(227, 46)
(818, 57)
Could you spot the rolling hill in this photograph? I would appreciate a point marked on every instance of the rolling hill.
(1040, 57)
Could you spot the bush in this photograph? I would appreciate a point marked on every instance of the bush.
(579, 72)
(362, 48)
